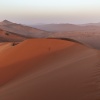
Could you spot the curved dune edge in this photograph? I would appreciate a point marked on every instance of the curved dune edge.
(88, 39)
(23, 56)
(69, 39)
(64, 71)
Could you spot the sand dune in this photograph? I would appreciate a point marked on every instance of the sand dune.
(6, 36)
(22, 29)
(4, 46)
(88, 34)
(90, 39)
(49, 69)
(27, 51)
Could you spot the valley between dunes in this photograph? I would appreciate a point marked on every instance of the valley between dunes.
(49, 69)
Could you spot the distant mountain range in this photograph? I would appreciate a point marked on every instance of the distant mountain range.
(90, 27)
(94, 24)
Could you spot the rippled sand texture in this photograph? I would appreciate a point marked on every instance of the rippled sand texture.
(49, 69)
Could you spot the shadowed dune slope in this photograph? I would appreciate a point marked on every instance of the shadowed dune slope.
(91, 39)
(22, 29)
(50, 69)
(6, 36)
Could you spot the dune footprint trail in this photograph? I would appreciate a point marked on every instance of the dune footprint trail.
(64, 71)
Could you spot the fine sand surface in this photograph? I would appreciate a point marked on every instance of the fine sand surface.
(6, 36)
(49, 69)
(25, 55)
(5, 47)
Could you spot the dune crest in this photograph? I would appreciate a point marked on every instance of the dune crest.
(23, 30)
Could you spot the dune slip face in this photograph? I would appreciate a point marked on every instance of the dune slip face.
(6, 36)
(49, 69)
(23, 30)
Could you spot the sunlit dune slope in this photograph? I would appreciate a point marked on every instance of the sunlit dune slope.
(50, 69)
(24, 55)
(5, 46)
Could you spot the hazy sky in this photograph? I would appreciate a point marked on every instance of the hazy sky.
(50, 11)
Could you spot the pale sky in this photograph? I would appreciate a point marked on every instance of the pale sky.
(50, 11)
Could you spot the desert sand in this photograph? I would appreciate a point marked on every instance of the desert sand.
(90, 39)
(49, 69)
(23, 30)
(88, 34)
(6, 36)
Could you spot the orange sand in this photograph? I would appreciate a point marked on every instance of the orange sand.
(30, 49)
(6, 36)
(49, 69)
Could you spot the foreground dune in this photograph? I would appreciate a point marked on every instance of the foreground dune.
(49, 69)
(5, 46)
(25, 55)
